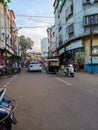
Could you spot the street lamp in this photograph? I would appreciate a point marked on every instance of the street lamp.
(17, 29)
(91, 40)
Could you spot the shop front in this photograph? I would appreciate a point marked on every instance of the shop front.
(7, 55)
(91, 59)
(75, 53)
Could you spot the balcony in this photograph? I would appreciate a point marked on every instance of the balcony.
(88, 1)
(93, 18)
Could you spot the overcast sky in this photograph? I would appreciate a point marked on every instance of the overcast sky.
(27, 14)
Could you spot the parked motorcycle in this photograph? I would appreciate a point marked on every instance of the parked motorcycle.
(69, 70)
(7, 107)
(1, 71)
(4, 70)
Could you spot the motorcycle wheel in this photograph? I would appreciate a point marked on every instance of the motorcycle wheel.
(3, 127)
(6, 126)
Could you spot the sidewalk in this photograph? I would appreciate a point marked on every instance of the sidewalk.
(5, 76)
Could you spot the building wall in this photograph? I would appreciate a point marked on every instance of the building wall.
(86, 42)
(78, 32)
(7, 26)
(12, 25)
(2, 32)
(53, 39)
(78, 14)
(44, 47)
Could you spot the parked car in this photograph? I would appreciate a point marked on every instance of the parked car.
(35, 66)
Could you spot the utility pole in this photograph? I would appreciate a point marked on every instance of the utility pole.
(91, 37)
(91, 41)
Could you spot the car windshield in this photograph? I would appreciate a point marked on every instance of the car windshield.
(35, 62)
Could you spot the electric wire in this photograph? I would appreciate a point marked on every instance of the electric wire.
(34, 16)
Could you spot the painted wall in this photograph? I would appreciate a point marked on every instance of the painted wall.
(44, 47)
(86, 42)
(2, 32)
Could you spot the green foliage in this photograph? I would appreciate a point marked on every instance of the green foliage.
(5, 2)
(25, 43)
(9, 1)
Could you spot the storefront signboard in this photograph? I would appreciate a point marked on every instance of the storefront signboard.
(61, 51)
(74, 45)
(94, 60)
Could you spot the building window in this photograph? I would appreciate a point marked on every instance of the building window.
(69, 12)
(71, 35)
(88, 1)
(90, 19)
(59, 26)
(60, 40)
(70, 28)
(53, 34)
(0, 30)
(61, 4)
(95, 50)
(58, 16)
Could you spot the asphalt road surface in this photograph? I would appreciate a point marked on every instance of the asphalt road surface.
(53, 101)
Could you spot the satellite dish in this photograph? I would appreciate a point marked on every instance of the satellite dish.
(92, 1)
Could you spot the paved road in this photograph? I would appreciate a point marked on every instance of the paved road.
(54, 102)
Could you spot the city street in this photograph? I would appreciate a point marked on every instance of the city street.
(54, 101)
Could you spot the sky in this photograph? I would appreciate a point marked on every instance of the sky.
(34, 16)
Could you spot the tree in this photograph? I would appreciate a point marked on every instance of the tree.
(25, 43)
(5, 2)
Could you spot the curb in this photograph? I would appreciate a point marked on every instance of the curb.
(4, 77)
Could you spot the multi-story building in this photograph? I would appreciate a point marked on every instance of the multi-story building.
(44, 48)
(51, 41)
(9, 42)
(14, 39)
(2, 43)
(8, 45)
(5, 32)
(77, 32)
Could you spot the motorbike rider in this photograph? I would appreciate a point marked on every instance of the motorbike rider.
(66, 66)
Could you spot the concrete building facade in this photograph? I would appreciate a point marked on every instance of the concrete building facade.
(44, 48)
(77, 32)
(51, 41)
(9, 41)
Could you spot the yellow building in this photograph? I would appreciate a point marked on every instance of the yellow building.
(91, 59)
